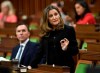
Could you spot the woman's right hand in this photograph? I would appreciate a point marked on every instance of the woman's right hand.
(64, 44)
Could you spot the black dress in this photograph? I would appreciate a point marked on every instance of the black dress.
(51, 48)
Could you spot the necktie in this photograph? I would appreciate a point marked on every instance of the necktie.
(19, 54)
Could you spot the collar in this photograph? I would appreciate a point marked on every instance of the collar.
(24, 43)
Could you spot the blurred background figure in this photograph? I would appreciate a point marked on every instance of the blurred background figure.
(83, 14)
(66, 18)
(7, 13)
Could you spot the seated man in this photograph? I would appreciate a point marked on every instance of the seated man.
(25, 51)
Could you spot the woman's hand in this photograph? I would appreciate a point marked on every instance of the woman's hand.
(64, 43)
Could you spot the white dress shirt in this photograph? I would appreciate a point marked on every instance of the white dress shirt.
(23, 44)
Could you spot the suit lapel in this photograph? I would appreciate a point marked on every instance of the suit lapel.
(16, 51)
(25, 50)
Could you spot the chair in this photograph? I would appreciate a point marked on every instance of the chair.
(87, 32)
(91, 56)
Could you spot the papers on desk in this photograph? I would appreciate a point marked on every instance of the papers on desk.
(3, 59)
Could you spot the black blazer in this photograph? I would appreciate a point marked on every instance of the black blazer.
(28, 53)
(50, 46)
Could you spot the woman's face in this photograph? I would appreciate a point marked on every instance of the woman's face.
(79, 9)
(54, 17)
(5, 9)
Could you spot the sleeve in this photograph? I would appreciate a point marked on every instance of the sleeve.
(72, 48)
(13, 19)
(12, 54)
(88, 19)
(33, 51)
(38, 56)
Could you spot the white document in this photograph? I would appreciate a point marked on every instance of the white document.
(3, 59)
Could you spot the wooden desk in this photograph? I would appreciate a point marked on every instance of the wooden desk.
(10, 25)
(41, 68)
(7, 44)
(7, 32)
(40, 71)
(95, 47)
(53, 69)
(88, 28)
(87, 32)
(82, 36)
(50, 69)
(92, 52)
(87, 35)
(90, 55)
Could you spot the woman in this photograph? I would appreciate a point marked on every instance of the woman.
(7, 13)
(58, 41)
(83, 13)
(66, 18)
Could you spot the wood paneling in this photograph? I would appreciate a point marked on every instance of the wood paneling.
(29, 6)
(35, 6)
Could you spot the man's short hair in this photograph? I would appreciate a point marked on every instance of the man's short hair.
(23, 23)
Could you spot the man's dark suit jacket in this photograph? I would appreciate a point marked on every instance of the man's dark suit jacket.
(29, 53)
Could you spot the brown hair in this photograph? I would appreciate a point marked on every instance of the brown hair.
(45, 25)
(23, 23)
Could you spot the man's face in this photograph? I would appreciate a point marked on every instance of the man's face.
(22, 33)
